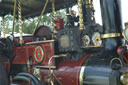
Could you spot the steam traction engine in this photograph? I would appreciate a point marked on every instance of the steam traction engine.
(87, 54)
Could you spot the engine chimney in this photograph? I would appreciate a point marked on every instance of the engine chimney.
(112, 23)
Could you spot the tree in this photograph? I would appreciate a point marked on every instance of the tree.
(8, 23)
(29, 25)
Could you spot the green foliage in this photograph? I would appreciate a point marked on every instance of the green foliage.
(29, 28)
(7, 22)
(46, 19)
(29, 25)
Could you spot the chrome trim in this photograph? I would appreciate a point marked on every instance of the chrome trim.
(81, 74)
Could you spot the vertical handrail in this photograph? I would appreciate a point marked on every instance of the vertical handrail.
(43, 10)
(14, 16)
(53, 15)
(3, 20)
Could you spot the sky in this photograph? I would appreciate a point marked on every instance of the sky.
(124, 4)
(98, 12)
(125, 10)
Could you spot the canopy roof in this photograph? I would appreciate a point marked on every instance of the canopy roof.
(31, 8)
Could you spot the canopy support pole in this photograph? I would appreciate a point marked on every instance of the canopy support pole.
(3, 27)
(20, 21)
(53, 15)
(14, 16)
(43, 10)
(80, 14)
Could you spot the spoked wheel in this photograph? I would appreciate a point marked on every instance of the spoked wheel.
(3, 75)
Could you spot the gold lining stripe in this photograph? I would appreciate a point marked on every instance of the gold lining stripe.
(46, 41)
(82, 69)
(111, 35)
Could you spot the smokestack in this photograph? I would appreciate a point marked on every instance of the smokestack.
(112, 23)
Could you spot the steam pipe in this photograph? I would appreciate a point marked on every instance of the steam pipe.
(112, 23)
(23, 78)
(30, 76)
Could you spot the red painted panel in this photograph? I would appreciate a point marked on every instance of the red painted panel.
(48, 53)
(21, 57)
(67, 72)
(24, 52)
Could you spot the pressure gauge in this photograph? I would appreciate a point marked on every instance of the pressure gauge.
(125, 34)
(96, 39)
(64, 41)
(86, 40)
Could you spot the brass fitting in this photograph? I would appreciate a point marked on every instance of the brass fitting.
(124, 79)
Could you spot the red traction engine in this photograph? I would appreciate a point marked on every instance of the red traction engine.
(92, 56)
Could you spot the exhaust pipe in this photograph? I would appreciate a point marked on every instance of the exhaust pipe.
(112, 23)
